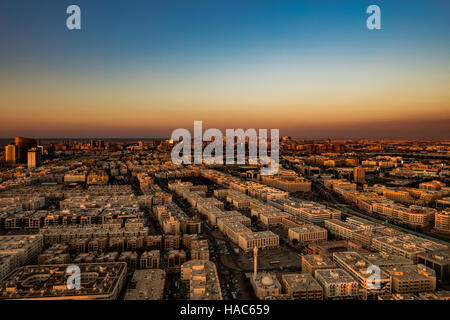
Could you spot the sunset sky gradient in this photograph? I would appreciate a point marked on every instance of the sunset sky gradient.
(144, 68)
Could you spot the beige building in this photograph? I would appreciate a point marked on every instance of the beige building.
(18, 250)
(173, 220)
(260, 240)
(150, 259)
(234, 229)
(223, 222)
(308, 233)
(311, 212)
(273, 218)
(171, 241)
(384, 259)
(362, 224)
(442, 221)
(313, 262)
(301, 286)
(176, 258)
(287, 183)
(337, 284)
(360, 269)
(412, 279)
(407, 246)
(202, 278)
(341, 229)
(199, 250)
(153, 242)
(414, 216)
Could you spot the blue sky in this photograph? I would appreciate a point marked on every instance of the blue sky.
(198, 58)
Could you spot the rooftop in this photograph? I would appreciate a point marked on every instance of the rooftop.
(148, 284)
(301, 281)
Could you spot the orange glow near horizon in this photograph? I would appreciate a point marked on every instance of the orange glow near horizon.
(138, 103)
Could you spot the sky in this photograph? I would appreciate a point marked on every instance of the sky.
(144, 68)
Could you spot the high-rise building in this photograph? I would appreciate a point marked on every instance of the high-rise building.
(23, 145)
(359, 175)
(10, 153)
(34, 158)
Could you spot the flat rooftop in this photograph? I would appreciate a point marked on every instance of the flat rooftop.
(307, 228)
(356, 262)
(342, 224)
(439, 257)
(413, 272)
(148, 284)
(301, 281)
(259, 235)
(383, 259)
(318, 260)
(334, 276)
(50, 281)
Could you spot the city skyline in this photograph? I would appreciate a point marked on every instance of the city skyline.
(433, 130)
(215, 158)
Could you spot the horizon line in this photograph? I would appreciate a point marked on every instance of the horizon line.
(167, 138)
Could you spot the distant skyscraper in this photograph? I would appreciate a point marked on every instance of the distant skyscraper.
(94, 144)
(359, 175)
(34, 158)
(23, 145)
(10, 153)
(41, 148)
